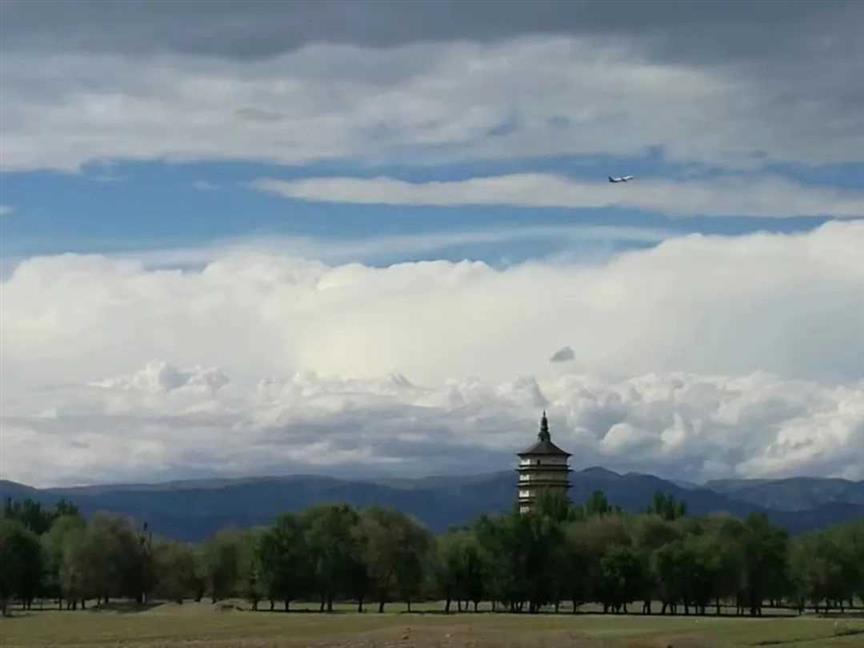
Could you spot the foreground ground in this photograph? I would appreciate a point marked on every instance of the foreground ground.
(194, 625)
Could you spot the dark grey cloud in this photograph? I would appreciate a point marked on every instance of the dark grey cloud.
(564, 354)
(708, 30)
(732, 84)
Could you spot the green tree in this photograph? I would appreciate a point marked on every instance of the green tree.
(174, 564)
(556, 506)
(286, 569)
(53, 547)
(334, 549)
(109, 559)
(394, 547)
(574, 565)
(459, 568)
(765, 562)
(667, 507)
(221, 563)
(622, 578)
(20, 563)
(34, 516)
(827, 568)
(597, 504)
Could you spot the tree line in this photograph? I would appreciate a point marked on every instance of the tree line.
(592, 553)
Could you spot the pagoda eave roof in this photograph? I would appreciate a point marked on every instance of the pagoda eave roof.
(544, 447)
(523, 469)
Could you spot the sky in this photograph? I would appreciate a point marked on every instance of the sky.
(377, 238)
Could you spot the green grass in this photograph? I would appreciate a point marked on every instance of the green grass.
(204, 625)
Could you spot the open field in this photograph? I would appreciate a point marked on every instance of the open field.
(207, 625)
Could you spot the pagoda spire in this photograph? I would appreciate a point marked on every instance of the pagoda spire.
(544, 429)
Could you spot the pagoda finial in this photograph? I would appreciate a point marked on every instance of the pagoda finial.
(544, 429)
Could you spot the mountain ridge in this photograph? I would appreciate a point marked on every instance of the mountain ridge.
(193, 509)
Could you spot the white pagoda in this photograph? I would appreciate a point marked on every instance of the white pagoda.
(542, 468)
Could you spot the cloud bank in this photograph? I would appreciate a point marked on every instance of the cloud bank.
(730, 196)
(702, 357)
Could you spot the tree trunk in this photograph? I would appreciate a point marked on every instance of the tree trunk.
(409, 605)
(287, 605)
(329, 602)
(381, 606)
(447, 606)
(360, 604)
(272, 604)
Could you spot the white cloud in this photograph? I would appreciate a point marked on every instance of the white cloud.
(582, 243)
(679, 425)
(671, 346)
(6, 210)
(724, 196)
(426, 102)
(693, 303)
(159, 376)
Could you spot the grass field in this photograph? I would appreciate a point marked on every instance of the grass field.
(193, 625)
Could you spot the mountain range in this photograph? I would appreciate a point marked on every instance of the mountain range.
(192, 510)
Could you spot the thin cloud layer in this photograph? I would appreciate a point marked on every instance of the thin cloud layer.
(729, 196)
(702, 357)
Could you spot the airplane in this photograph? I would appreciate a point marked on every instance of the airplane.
(621, 179)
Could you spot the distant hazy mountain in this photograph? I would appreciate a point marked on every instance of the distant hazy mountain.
(793, 494)
(192, 510)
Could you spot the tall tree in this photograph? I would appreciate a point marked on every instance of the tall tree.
(54, 544)
(34, 516)
(394, 547)
(20, 563)
(765, 554)
(221, 562)
(333, 549)
(667, 507)
(622, 578)
(285, 560)
(174, 564)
